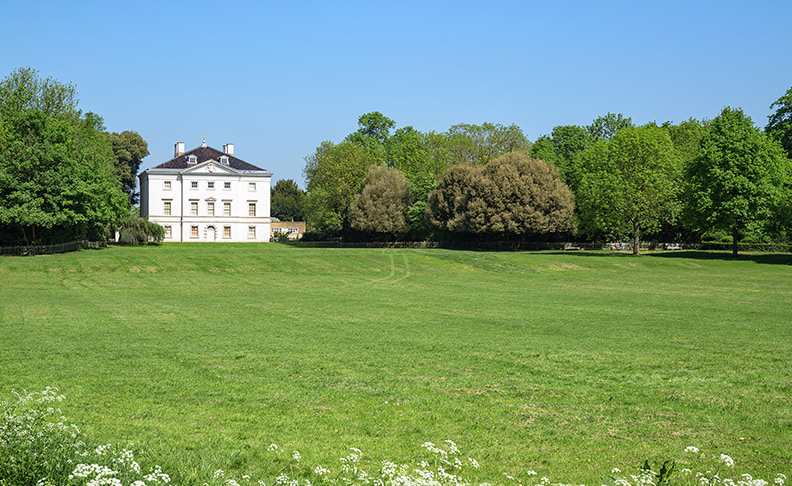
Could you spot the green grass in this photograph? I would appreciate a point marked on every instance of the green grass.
(568, 364)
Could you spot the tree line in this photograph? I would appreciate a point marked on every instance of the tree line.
(723, 179)
(63, 177)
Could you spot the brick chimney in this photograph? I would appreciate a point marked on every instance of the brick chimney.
(178, 149)
(228, 149)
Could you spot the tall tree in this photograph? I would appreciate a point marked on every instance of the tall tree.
(129, 149)
(334, 174)
(478, 144)
(24, 89)
(382, 206)
(779, 124)
(737, 180)
(287, 201)
(629, 183)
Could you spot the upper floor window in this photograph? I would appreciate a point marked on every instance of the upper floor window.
(210, 185)
(192, 159)
(224, 159)
(226, 208)
(251, 209)
(166, 208)
(194, 208)
(166, 185)
(194, 184)
(226, 185)
(210, 208)
(251, 186)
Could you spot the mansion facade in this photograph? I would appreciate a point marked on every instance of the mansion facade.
(207, 195)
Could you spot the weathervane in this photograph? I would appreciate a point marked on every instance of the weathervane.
(203, 140)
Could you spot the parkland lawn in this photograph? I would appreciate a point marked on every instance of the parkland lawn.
(565, 363)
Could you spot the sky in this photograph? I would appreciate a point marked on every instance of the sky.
(278, 78)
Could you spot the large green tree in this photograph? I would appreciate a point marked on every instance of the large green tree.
(57, 180)
(628, 183)
(607, 126)
(334, 174)
(478, 144)
(513, 196)
(738, 180)
(779, 123)
(381, 208)
(287, 201)
(129, 149)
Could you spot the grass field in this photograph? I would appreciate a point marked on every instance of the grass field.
(567, 364)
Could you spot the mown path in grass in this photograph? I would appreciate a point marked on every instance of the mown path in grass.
(567, 364)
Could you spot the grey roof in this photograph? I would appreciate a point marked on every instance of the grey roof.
(203, 154)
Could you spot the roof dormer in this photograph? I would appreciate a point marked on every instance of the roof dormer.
(192, 159)
(224, 159)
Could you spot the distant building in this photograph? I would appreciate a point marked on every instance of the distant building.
(292, 229)
(207, 195)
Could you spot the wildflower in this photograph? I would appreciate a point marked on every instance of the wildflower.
(531, 473)
(691, 449)
(273, 448)
(320, 471)
(473, 463)
(728, 461)
(296, 455)
(615, 470)
(219, 473)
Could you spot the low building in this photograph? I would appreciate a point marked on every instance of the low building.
(292, 229)
(205, 194)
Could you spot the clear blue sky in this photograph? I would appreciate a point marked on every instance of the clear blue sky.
(278, 78)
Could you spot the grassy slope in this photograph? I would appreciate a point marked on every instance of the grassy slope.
(563, 363)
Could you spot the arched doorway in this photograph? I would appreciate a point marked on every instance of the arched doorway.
(211, 233)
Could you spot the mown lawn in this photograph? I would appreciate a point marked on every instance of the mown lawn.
(564, 363)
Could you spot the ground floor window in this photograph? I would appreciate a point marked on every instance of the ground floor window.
(168, 231)
(194, 231)
(226, 232)
(252, 232)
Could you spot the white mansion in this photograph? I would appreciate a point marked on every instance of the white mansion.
(207, 195)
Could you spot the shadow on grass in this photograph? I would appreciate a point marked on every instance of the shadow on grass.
(766, 258)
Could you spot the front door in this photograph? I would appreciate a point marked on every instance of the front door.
(210, 233)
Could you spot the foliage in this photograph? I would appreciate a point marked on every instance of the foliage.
(24, 90)
(779, 123)
(512, 195)
(134, 230)
(287, 201)
(129, 149)
(629, 183)
(382, 205)
(606, 127)
(478, 144)
(738, 180)
(334, 174)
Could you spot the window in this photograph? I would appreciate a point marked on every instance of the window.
(252, 232)
(194, 208)
(226, 232)
(194, 231)
(226, 208)
(251, 186)
(224, 159)
(194, 184)
(227, 186)
(210, 185)
(168, 231)
(166, 208)
(166, 185)
(251, 209)
(210, 208)
(192, 160)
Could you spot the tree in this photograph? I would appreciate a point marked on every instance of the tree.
(737, 181)
(513, 196)
(628, 183)
(334, 174)
(129, 149)
(606, 127)
(478, 144)
(287, 201)
(779, 124)
(382, 206)
(375, 125)
(23, 89)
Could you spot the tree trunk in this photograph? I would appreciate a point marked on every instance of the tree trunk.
(636, 239)
(735, 240)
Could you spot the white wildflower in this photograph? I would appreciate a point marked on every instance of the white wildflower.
(531, 473)
(728, 461)
(615, 470)
(321, 471)
(273, 448)
(296, 455)
(219, 473)
(692, 449)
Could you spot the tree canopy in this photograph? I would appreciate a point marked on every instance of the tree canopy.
(382, 206)
(628, 183)
(57, 179)
(737, 181)
(779, 124)
(129, 149)
(287, 201)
